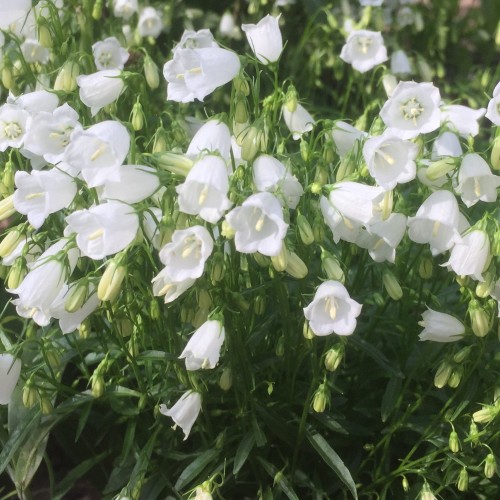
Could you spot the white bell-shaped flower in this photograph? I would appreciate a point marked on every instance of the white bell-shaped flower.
(269, 174)
(10, 370)
(14, 123)
(34, 52)
(265, 39)
(447, 144)
(109, 54)
(150, 225)
(150, 23)
(412, 109)
(299, 121)
(440, 327)
(364, 50)
(164, 286)
(100, 89)
(203, 348)
(186, 254)
(125, 8)
(493, 110)
(42, 193)
(258, 224)
(400, 64)
(195, 73)
(204, 192)
(332, 310)
(436, 222)
(35, 102)
(347, 138)
(211, 137)
(390, 160)
(185, 412)
(342, 228)
(470, 256)
(475, 180)
(104, 229)
(462, 119)
(136, 183)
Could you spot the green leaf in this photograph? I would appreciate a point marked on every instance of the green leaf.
(330, 457)
(279, 479)
(195, 468)
(391, 393)
(244, 449)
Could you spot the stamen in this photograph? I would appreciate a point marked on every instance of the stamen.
(477, 187)
(98, 152)
(96, 234)
(31, 196)
(166, 289)
(331, 307)
(388, 158)
(435, 228)
(260, 223)
(203, 195)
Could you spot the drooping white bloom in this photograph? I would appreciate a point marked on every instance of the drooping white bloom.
(100, 89)
(400, 64)
(269, 174)
(211, 137)
(265, 39)
(447, 144)
(412, 109)
(390, 160)
(125, 8)
(164, 286)
(357, 202)
(470, 256)
(462, 119)
(382, 238)
(299, 121)
(258, 225)
(185, 412)
(109, 54)
(104, 229)
(195, 73)
(364, 50)
(10, 370)
(135, 183)
(436, 222)
(98, 152)
(12, 15)
(440, 327)
(346, 138)
(35, 102)
(14, 123)
(203, 348)
(42, 193)
(332, 310)
(342, 228)
(150, 225)
(185, 256)
(493, 111)
(50, 132)
(150, 23)
(34, 52)
(228, 26)
(200, 39)
(475, 180)
(204, 192)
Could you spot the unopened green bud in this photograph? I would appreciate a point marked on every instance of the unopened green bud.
(97, 386)
(474, 433)
(345, 169)
(280, 261)
(8, 177)
(7, 207)
(151, 73)
(305, 230)
(490, 466)
(426, 493)
(76, 297)
(66, 78)
(137, 117)
(200, 317)
(160, 141)
(295, 266)
(318, 230)
(463, 480)
(240, 110)
(175, 163)
(111, 281)
(462, 355)
(456, 377)
(480, 322)
(291, 100)
(306, 331)
(7, 80)
(405, 484)
(97, 10)
(204, 299)
(46, 405)
(217, 270)
(44, 36)
(30, 394)
(10, 242)
(259, 305)
(226, 379)
(443, 374)
(241, 85)
(484, 288)
(262, 260)
(332, 268)
(392, 286)
(279, 349)
(495, 154)
(154, 310)
(254, 141)
(334, 357)
(17, 273)
(321, 176)
(84, 330)
(440, 167)
(227, 230)
(454, 442)
(304, 150)
(321, 399)
(487, 414)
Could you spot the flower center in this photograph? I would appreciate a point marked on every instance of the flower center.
(12, 130)
(364, 43)
(412, 109)
(191, 245)
(105, 58)
(96, 234)
(61, 136)
(385, 156)
(331, 307)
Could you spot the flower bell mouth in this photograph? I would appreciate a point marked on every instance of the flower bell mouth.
(412, 109)
(96, 234)
(98, 152)
(203, 195)
(191, 246)
(12, 130)
(386, 157)
(331, 307)
(32, 196)
(364, 44)
(260, 222)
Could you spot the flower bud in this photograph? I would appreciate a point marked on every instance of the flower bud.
(295, 266)
(253, 142)
(463, 480)
(490, 466)
(76, 297)
(386, 204)
(304, 150)
(241, 85)
(111, 281)
(484, 288)
(97, 10)
(305, 230)
(425, 268)
(226, 379)
(240, 110)
(454, 442)
(8, 177)
(291, 99)
(474, 434)
(259, 305)
(227, 230)
(426, 493)
(44, 36)
(84, 330)
(154, 310)
(442, 374)
(97, 386)
(389, 82)
(262, 260)
(137, 116)
(480, 322)
(279, 349)
(462, 355)
(175, 163)
(405, 484)
(487, 414)
(495, 152)
(306, 331)
(331, 267)
(391, 285)
(66, 78)
(46, 405)
(10, 242)
(455, 377)
(334, 357)
(320, 399)
(17, 273)
(200, 317)
(151, 73)
(7, 80)
(160, 141)
(345, 169)
(280, 261)
(30, 394)
(7, 207)
(440, 167)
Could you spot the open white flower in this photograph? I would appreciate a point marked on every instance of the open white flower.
(265, 39)
(203, 348)
(14, 123)
(390, 160)
(100, 88)
(493, 111)
(347, 138)
(342, 228)
(34, 52)
(475, 180)
(462, 119)
(447, 144)
(412, 109)
(135, 183)
(258, 225)
(42, 193)
(204, 192)
(212, 137)
(332, 310)
(299, 121)
(10, 370)
(400, 64)
(104, 229)
(109, 54)
(185, 256)
(364, 50)
(164, 286)
(195, 73)
(436, 222)
(440, 327)
(185, 412)
(470, 256)
(125, 8)
(150, 23)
